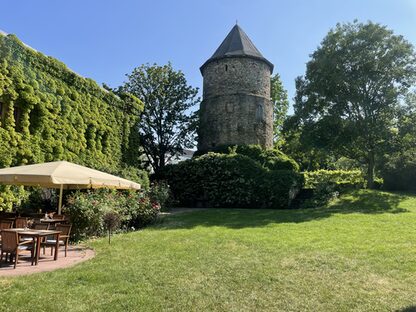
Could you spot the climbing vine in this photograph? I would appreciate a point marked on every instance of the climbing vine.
(48, 113)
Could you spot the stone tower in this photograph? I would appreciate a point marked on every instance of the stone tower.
(236, 106)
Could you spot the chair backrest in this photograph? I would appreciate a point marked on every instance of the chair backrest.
(64, 228)
(40, 226)
(58, 217)
(9, 240)
(5, 224)
(20, 222)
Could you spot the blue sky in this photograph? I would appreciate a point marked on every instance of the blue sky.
(104, 40)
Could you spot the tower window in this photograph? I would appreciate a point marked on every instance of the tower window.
(226, 67)
(260, 113)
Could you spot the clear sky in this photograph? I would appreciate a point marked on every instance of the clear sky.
(104, 40)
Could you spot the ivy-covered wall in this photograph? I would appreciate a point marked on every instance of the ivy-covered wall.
(47, 113)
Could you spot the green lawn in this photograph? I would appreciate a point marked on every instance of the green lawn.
(356, 255)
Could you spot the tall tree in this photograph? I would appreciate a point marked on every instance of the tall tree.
(300, 147)
(167, 125)
(349, 97)
(280, 107)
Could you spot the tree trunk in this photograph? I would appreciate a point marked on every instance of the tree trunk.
(370, 171)
(160, 164)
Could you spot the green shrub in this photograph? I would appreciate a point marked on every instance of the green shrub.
(342, 179)
(230, 180)
(141, 210)
(400, 171)
(160, 193)
(272, 159)
(328, 184)
(87, 210)
(323, 193)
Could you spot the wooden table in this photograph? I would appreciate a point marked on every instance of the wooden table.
(38, 235)
(52, 221)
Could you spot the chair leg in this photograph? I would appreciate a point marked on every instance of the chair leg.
(66, 247)
(51, 251)
(32, 254)
(16, 256)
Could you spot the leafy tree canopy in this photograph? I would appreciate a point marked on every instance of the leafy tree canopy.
(166, 126)
(348, 100)
(280, 107)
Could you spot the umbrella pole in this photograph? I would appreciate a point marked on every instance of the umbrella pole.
(61, 190)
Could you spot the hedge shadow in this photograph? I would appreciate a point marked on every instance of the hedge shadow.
(370, 203)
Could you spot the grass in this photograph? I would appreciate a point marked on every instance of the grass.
(358, 254)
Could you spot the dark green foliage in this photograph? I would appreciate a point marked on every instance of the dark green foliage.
(328, 184)
(166, 125)
(230, 180)
(47, 113)
(323, 193)
(87, 211)
(342, 178)
(348, 101)
(399, 173)
(160, 193)
(399, 166)
(141, 210)
(280, 101)
(272, 159)
(299, 146)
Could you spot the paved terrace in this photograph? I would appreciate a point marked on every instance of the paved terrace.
(76, 254)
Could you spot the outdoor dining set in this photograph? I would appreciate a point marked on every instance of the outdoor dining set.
(36, 233)
(18, 234)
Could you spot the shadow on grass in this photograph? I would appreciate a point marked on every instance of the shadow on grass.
(365, 202)
(408, 309)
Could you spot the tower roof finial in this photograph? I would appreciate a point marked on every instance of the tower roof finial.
(237, 44)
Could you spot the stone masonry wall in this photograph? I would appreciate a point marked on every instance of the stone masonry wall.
(236, 106)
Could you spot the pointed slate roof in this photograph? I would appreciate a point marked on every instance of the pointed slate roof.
(237, 44)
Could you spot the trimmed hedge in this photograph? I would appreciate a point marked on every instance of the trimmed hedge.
(340, 178)
(272, 159)
(328, 184)
(230, 180)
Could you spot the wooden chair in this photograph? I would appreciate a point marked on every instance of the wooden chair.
(40, 226)
(11, 246)
(59, 217)
(4, 225)
(37, 226)
(65, 230)
(20, 222)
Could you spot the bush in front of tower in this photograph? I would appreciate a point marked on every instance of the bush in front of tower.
(231, 180)
(272, 159)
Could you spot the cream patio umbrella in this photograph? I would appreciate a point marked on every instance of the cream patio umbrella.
(63, 175)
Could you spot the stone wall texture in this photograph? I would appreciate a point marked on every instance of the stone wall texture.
(236, 106)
